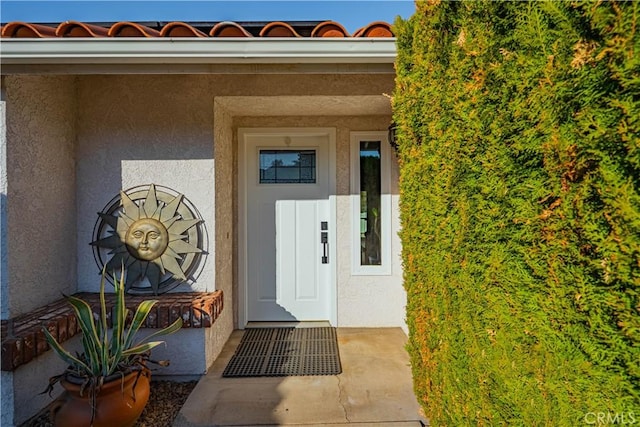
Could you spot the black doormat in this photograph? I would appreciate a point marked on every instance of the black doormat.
(285, 352)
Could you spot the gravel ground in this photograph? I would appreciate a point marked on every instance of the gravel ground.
(165, 401)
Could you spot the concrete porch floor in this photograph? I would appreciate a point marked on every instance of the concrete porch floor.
(374, 389)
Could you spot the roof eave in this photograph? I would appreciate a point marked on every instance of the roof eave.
(147, 51)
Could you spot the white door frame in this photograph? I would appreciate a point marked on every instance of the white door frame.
(243, 133)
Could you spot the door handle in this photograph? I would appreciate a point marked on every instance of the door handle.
(324, 239)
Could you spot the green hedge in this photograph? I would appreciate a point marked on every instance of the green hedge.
(519, 132)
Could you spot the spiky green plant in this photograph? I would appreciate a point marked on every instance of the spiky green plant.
(107, 353)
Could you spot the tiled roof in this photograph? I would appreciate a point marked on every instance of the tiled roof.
(183, 29)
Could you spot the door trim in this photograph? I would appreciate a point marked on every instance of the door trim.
(243, 134)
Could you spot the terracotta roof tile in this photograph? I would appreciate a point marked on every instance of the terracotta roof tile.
(131, 29)
(329, 29)
(375, 29)
(229, 29)
(278, 29)
(180, 29)
(183, 29)
(26, 30)
(80, 29)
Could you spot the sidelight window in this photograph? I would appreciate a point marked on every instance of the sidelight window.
(371, 203)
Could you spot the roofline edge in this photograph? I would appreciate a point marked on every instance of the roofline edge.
(197, 50)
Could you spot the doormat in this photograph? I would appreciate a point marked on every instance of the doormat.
(285, 352)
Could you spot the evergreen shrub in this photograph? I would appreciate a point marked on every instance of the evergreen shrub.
(519, 134)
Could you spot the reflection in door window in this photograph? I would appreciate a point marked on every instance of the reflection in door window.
(287, 166)
(370, 191)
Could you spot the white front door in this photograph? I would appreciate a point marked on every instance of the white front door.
(288, 232)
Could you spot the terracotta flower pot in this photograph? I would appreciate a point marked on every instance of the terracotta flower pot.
(119, 402)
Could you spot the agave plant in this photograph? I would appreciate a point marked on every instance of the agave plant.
(105, 352)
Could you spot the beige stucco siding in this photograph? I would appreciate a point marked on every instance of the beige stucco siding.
(136, 130)
(40, 204)
(140, 130)
(309, 84)
(6, 378)
(41, 196)
(224, 230)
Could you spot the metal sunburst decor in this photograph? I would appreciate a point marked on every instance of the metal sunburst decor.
(155, 233)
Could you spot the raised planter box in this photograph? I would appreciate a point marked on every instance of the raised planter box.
(23, 339)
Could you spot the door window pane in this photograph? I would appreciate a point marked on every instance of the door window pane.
(370, 191)
(287, 166)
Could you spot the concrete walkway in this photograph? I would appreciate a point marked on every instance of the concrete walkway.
(374, 389)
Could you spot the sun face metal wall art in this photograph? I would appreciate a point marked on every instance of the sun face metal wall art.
(155, 233)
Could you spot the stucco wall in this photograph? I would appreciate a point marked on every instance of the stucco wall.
(135, 130)
(224, 231)
(37, 215)
(4, 277)
(138, 130)
(31, 379)
(308, 84)
(370, 301)
(6, 378)
(41, 199)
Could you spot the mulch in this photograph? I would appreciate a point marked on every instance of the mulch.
(165, 401)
